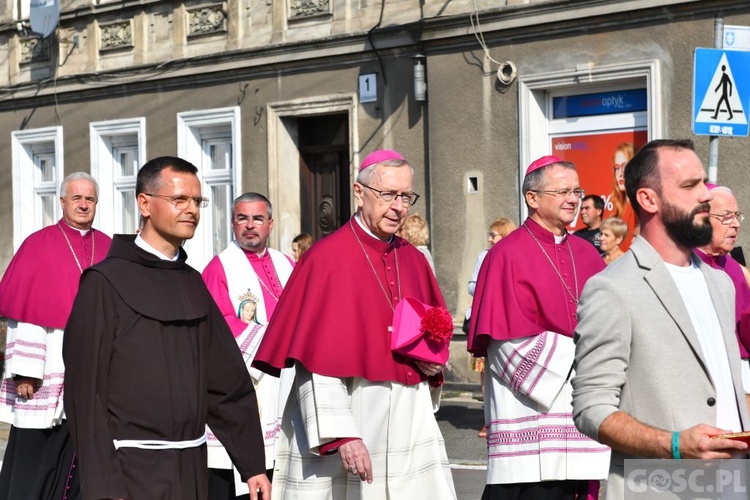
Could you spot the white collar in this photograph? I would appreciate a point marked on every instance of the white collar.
(365, 229)
(82, 231)
(141, 243)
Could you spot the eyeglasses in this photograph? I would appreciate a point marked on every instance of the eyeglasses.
(408, 199)
(182, 202)
(726, 218)
(564, 193)
(494, 235)
(258, 220)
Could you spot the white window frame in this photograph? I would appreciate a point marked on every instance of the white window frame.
(535, 103)
(21, 10)
(105, 136)
(193, 127)
(221, 178)
(24, 144)
(125, 184)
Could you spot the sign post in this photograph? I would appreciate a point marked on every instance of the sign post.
(721, 92)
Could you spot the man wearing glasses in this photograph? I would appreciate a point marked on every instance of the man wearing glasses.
(150, 360)
(726, 220)
(523, 317)
(359, 421)
(248, 272)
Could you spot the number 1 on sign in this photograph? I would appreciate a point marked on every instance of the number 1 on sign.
(368, 88)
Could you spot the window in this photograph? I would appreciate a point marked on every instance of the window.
(125, 167)
(595, 117)
(45, 189)
(21, 10)
(210, 140)
(565, 112)
(216, 165)
(37, 174)
(117, 153)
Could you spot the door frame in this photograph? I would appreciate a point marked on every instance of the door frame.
(284, 157)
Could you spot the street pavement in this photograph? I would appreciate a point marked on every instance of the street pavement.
(460, 418)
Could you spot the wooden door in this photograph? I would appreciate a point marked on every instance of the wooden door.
(324, 174)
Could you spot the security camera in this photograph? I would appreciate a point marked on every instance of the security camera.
(506, 73)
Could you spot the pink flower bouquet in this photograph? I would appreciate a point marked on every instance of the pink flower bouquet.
(421, 331)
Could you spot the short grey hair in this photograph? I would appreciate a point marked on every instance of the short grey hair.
(250, 198)
(534, 181)
(77, 176)
(365, 175)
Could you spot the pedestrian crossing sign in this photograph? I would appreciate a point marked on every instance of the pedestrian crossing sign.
(721, 92)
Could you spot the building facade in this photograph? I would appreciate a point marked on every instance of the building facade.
(285, 97)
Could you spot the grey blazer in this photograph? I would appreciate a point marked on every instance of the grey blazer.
(637, 350)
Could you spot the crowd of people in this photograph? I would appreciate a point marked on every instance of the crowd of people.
(592, 366)
(130, 375)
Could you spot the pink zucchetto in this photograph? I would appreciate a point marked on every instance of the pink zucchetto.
(711, 185)
(379, 156)
(542, 162)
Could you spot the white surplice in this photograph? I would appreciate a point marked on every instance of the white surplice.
(531, 436)
(36, 352)
(242, 279)
(395, 422)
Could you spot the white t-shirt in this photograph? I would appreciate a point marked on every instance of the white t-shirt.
(694, 291)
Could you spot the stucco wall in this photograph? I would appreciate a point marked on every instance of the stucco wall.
(473, 126)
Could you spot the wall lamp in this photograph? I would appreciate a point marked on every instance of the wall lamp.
(420, 80)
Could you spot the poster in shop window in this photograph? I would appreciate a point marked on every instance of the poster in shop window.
(599, 159)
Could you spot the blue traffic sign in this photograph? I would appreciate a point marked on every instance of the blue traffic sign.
(721, 92)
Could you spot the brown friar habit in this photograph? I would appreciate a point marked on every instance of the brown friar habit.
(149, 356)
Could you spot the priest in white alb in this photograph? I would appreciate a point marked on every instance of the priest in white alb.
(359, 423)
(36, 295)
(523, 318)
(246, 281)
